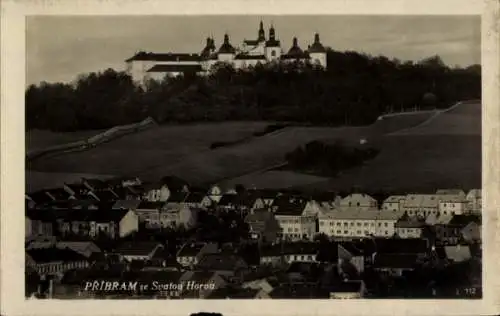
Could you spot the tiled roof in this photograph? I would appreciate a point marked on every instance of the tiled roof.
(176, 68)
(395, 198)
(54, 254)
(408, 223)
(273, 43)
(289, 206)
(398, 246)
(135, 248)
(363, 214)
(251, 42)
(147, 56)
(190, 249)
(299, 248)
(221, 262)
(126, 204)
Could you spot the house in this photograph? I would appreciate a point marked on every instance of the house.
(126, 205)
(113, 223)
(456, 192)
(359, 201)
(417, 246)
(395, 264)
(149, 213)
(224, 263)
(289, 252)
(295, 225)
(474, 200)
(191, 253)
(299, 291)
(454, 254)
(38, 198)
(216, 192)
(471, 233)
(263, 225)
(201, 284)
(38, 224)
(350, 254)
(55, 261)
(449, 231)
(410, 227)
(176, 199)
(358, 223)
(143, 251)
(326, 200)
(198, 200)
(174, 216)
(394, 203)
(85, 248)
(454, 204)
(156, 192)
(348, 290)
(264, 198)
(421, 205)
(264, 285)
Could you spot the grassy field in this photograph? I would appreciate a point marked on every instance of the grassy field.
(36, 139)
(405, 160)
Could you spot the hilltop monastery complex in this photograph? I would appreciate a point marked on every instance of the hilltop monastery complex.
(146, 65)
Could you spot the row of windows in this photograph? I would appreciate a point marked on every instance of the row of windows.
(365, 224)
(358, 232)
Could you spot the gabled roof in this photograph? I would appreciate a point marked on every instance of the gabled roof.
(148, 56)
(251, 42)
(45, 255)
(175, 68)
(289, 206)
(136, 248)
(126, 204)
(190, 249)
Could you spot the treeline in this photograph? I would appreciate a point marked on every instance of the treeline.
(354, 90)
(325, 159)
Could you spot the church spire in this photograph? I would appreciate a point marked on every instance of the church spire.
(262, 35)
(316, 38)
(272, 33)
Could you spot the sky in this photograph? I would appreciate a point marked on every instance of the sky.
(59, 48)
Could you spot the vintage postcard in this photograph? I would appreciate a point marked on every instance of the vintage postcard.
(267, 158)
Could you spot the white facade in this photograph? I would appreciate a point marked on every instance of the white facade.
(141, 66)
(128, 224)
(474, 201)
(359, 224)
(158, 195)
(393, 203)
(297, 227)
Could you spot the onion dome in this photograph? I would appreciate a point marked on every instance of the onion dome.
(209, 47)
(316, 47)
(295, 49)
(226, 47)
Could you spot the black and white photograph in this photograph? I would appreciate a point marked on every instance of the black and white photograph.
(253, 156)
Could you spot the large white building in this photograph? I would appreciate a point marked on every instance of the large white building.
(146, 65)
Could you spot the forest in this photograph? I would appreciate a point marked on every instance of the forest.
(354, 90)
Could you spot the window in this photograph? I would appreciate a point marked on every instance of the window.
(366, 224)
(386, 232)
(385, 224)
(339, 223)
(358, 232)
(321, 223)
(339, 232)
(357, 204)
(346, 224)
(379, 224)
(273, 53)
(310, 257)
(331, 223)
(296, 230)
(346, 232)
(352, 223)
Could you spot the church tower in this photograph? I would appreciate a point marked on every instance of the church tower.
(262, 35)
(273, 46)
(317, 52)
(226, 51)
